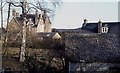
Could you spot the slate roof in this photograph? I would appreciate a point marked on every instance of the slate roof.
(92, 47)
(32, 16)
(93, 27)
(46, 34)
(77, 30)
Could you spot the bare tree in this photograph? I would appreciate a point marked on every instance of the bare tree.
(6, 39)
(1, 8)
(23, 5)
(1, 14)
(22, 53)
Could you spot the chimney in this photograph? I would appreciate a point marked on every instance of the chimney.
(14, 14)
(99, 26)
(85, 22)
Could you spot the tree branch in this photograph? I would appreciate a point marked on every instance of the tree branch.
(15, 5)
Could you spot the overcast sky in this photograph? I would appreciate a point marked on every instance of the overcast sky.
(72, 12)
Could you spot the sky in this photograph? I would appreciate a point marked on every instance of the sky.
(72, 12)
(90, 0)
(119, 11)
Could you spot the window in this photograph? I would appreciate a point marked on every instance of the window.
(104, 29)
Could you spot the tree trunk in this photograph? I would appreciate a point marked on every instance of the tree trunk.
(1, 14)
(23, 46)
(6, 36)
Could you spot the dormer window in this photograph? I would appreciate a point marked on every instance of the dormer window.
(105, 29)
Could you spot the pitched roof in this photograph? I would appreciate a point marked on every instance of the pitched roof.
(77, 30)
(28, 16)
(57, 36)
(92, 47)
(46, 34)
(19, 20)
(93, 27)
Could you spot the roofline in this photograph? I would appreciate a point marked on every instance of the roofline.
(103, 22)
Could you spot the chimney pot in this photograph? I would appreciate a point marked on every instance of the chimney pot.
(85, 22)
(100, 26)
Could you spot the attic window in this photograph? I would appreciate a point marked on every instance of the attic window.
(104, 29)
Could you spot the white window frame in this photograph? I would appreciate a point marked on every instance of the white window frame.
(104, 29)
